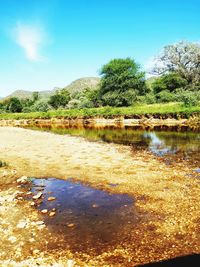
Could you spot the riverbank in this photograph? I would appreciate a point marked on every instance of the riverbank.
(170, 115)
(166, 195)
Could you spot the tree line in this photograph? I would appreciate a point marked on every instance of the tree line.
(175, 78)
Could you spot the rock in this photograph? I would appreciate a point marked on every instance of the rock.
(12, 239)
(21, 224)
(39, 222)
(70, 225)
(51, 198)
(95, 206)
(22, 180)
(32, 204)
(36, 251)
(52, 213)
(39, 195)
(44, 211)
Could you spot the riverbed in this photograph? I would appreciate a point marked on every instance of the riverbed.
(158, 172)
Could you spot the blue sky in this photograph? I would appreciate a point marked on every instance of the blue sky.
(48, 43)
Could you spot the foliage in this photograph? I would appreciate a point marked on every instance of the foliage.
(60, 99)
(168, 108)
(35, 96)
(119, 99)
(118, 77)
(182, 58)
(189, 98)
(165, 96)
(170, 82)
(41, 105)
(14, 105)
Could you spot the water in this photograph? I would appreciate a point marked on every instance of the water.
(86, 219)
(183, 145)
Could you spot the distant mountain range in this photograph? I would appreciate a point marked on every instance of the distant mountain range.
(76, 85)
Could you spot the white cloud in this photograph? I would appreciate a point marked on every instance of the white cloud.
(30, 38)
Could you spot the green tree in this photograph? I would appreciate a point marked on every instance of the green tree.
(35, 96)
(14, 105)
(169, 82)
(60, 99)
(121, 78)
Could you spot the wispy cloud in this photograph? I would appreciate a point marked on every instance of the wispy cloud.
(30, 38)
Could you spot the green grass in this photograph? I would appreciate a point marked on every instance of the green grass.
(157, 109)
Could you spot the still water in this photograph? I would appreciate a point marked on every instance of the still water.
(168, 142)
(83, 218)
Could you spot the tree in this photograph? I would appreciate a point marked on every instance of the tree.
(60, 99)
(120, 76)
(35, 96)
(14, 105)
(182, 58)
(170, 82)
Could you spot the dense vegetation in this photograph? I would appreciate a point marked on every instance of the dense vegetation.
(176, 79)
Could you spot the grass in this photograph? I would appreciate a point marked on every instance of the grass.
(156, 109)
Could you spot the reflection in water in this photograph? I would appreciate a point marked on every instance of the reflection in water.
(158, 142)
(85, 218)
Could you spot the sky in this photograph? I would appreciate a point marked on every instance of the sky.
(49, 43)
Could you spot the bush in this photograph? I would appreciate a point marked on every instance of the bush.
(40, 105)
(189, 98)
(165, 96)
(74, 103)
(169, 82)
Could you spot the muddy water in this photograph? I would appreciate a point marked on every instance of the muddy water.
(84, 218)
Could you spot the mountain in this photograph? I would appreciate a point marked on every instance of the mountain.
(28, 94)
(76, 85)
(80, 84)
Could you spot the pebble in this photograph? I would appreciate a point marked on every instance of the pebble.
(39, 222)
(22, 180)
(12, 239)
(44, 211)
(51, 198)
(52, 213)
(39, 195)
(95, 206)
(36, 251)
(21, 225)
(71, 225)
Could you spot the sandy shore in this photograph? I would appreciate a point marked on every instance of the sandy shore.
(166, 197)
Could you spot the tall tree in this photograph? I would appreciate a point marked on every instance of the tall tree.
(182, 58)
(121, 78)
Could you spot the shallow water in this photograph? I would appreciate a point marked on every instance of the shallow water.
(86, 219)
(182, 143)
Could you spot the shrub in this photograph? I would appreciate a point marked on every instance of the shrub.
(40, 105)
(74, 103)
(169, 82)
(188, 98)
(165, 96)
